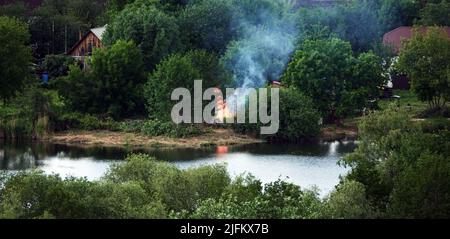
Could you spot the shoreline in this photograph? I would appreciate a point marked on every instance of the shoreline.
(218, 137)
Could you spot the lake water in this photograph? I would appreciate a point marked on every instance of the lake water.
(305, 165)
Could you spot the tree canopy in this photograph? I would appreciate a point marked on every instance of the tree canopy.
(15, 56)
(424, 58)
(336, 80)
(112, 85)
(154, 32)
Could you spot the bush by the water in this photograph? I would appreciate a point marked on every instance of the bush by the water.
(145, 188)
(403, 165)
(37, 119)
(400, 170)
(160, 128)
(81, 121)
(299, 119)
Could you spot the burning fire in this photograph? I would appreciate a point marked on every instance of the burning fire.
(223, 110)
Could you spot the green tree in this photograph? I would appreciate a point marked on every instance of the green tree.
(15, 57)
(16, 9)
(112, 85)
(208, 25)
(338, 83)
(180, 70)
(58, 65)
(173, 72)
(55, 25)
(401, 167)
(154, 32)
(436, 13)
(118, 73)
(299, 120)
(348, 201)
(424, 59)
(356, 22)
(278, 200)
(396, 13)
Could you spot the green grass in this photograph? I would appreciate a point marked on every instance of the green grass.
(407, 100)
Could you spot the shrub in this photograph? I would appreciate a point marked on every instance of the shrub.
(160, 128)
(68, 121)
(180, 70)
(58, 65)
(112, 86)
(348, 201)
(34, 195)
(401, 166)
(160, 180)
(299, 120)
(208, 181)
(31, 114)
(278, 200)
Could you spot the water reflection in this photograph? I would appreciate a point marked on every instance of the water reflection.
(305, 165)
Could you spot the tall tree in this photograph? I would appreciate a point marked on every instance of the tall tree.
(154, 32)
(112, 86)
(208, 25)
(425, 59)
(338, 82)
(436, 13)
(15, 56)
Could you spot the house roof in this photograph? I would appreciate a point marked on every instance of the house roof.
(98, 32)
(395, 37)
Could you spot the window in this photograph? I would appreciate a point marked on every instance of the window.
(90, 48)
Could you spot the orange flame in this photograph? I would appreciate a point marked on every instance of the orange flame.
(223, 111)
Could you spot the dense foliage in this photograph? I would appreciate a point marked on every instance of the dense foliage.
(404, 169)
(155, 32)
(145, 188)
(36, 119)
(55, 25)
(400, 170)
(436, 12)
(337, 81)
(57, 65)
(15, 56)
(330, 60)
(299, 121)
(159, 128)
(422, 53)
(112, 85)
(180, 70)
(208, 25)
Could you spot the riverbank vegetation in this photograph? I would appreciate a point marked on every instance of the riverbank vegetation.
(332, 66)
(151, 47)
(400, 170)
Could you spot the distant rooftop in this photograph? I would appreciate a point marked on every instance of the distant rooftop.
(99, 31)
(395, 37)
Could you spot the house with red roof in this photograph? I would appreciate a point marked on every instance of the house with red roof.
(394, 40)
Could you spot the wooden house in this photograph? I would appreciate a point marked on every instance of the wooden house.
(87, 43)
